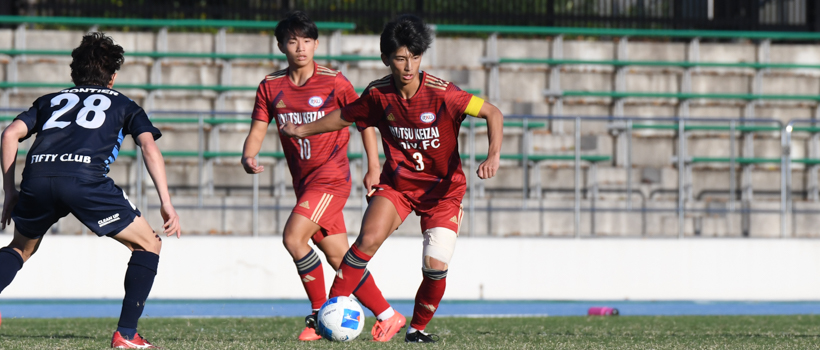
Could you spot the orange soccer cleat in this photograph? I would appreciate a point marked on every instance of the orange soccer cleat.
(138, 342)
(309, 333)
(383, 331)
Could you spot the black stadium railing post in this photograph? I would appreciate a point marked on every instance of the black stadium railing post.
(370, 15)
(813, 16)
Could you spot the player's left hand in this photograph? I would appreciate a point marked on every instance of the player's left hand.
(12, 196)
(171, 220)
(289, 130)
(488, 167)
(370, 178)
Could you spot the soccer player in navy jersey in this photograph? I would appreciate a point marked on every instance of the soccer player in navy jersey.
(419, 117)
(303, 92)
(79, 133)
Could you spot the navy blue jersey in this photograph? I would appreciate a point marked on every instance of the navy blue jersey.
(80, 131)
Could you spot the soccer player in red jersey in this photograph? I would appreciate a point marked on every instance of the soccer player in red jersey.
(419, 117)
(302, 93)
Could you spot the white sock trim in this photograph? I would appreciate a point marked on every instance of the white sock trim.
(386, 314)
(412, 330)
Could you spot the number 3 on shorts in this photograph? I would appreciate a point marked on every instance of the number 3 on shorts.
(420, 160)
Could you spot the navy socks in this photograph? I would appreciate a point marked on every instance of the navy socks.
(10, 263)
(138, 281)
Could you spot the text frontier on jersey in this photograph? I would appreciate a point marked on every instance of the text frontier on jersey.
(65, 157)
(92, 90)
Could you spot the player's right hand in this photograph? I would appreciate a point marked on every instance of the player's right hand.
(289, 130)
(171, 219)
(10, 201)
(251, 165)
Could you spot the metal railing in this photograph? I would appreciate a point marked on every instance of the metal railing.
(371, 14)
(531, 161)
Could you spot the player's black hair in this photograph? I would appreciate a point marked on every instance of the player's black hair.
(405, 30)
(295, 23)
(95, 60)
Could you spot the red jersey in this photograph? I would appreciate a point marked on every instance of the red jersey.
(420, 134)
(319, 161)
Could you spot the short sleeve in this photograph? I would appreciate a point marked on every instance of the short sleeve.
(137, 122)
(461, 103)
(345, 93)
(29, 117)
(260, 108)
(365, 111)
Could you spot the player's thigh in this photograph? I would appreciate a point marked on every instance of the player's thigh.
(335, 247)
(25, 246)
(100, 205)
(38, 208)
(322, 208)
(380, 220)
(317, 215)
(139, 236)
(296, 234)
(446, 213)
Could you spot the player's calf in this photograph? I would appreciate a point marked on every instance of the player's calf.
(439, 245)
(139, 277)
(10, 263)
(14, 256)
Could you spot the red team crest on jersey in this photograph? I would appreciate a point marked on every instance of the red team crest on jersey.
(428, 117)
(317, 162)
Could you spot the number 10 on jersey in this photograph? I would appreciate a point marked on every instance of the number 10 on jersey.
(304, 148)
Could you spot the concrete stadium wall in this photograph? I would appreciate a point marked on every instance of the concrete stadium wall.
(459, 60)
(482, 268)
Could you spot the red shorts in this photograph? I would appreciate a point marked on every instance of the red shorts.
(445, 212)
(325, 210)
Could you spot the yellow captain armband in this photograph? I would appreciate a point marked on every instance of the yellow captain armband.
(474, 106)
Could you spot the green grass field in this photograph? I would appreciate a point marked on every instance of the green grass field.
(682, 332)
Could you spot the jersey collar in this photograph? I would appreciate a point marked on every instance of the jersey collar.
(422, 77)
(290, 82)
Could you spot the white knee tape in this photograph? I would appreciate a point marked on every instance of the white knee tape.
(439, 244)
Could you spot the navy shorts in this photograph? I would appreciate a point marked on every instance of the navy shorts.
(100, 205)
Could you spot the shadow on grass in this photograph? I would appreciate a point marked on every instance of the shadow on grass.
(45, 336)
(671, 335)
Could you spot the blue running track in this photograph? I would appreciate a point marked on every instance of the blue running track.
(59, 308)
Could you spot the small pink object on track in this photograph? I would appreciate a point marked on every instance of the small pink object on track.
(602, 311)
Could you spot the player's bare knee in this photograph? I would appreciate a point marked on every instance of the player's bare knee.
(369, 243)
(24, 246)
(156, 244)
(293, 243)
(152, 244)
(334, 261)
(24, 253)
(434, 264)
(439, 245)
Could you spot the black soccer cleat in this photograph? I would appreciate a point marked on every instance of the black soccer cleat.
(310, 321)
(420, 337)
(309, 333)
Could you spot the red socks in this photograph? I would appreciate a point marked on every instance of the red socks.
(313, 278)
(370, 295)
(427, 299)
(350, 272)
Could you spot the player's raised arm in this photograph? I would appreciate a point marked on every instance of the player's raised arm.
(11, 137)
(495, 126)
(331, 122)
(253, 143)
(156, 168)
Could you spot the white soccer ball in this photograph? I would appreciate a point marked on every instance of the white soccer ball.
(340, 319)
